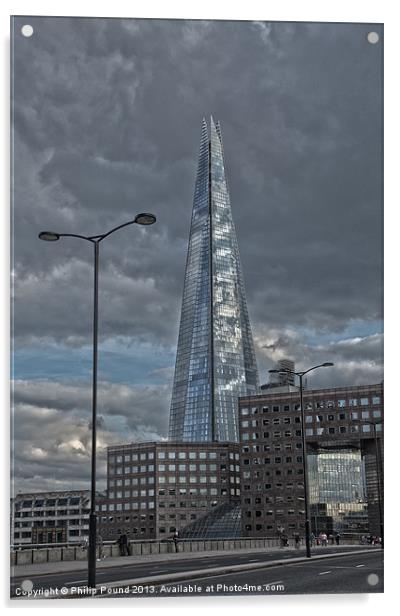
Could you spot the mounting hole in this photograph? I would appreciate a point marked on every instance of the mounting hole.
(27, 30)
(373, 579)
(27, 585)
(372, 37)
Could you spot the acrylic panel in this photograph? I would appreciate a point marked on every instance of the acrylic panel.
(197, 326)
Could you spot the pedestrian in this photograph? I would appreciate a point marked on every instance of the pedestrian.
(285, 540)
(123, 545)
(175, 540)
(281, 532)
(324, 539)
(99, 544)
(337, 538)
(85, 544)
(297, 541)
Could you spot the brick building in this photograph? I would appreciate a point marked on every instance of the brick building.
(154, 489)
(341, 458)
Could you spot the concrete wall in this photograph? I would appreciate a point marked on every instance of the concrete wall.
(137, 548)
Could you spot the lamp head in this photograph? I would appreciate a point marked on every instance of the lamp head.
(327, 363)
(49, 236)
(145, 219)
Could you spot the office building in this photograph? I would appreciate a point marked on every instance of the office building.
(344, 458)
(215, 362)
(50, 517)
(154, 489)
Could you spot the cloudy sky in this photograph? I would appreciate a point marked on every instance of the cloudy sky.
(106, 123)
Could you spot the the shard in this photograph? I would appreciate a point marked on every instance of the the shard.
(215, 362)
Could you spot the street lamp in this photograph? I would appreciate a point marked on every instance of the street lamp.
(378, 477)
(51, 236)
(378, 473)
(303, 432)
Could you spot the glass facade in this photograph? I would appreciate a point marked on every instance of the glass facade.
(337, 490)
(215, 361)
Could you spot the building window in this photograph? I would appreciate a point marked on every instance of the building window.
(376, 399)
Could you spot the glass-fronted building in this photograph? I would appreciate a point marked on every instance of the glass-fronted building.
(344, 441)
(215, 361)
(337, 489)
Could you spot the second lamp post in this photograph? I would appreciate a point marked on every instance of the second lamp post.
(303, 433)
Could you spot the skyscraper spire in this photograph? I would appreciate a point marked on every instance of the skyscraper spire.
(215, 361)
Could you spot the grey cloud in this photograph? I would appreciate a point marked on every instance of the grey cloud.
(106, 123)
(52, 428)
(111, 125)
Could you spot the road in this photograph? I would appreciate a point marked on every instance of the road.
(162, 567)
(360, 573)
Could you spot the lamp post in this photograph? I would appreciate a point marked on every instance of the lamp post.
(51, 236)
(378, 475)
(303, 432)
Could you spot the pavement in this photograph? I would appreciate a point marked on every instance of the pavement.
(40, 569)
(151, 570)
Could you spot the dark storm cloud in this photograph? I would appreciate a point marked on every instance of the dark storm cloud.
(106, 123)
(107, 118)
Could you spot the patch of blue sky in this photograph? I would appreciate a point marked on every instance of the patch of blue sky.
(140, 364)
(356, 329)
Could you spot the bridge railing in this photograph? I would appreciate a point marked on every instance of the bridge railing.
(43, 553)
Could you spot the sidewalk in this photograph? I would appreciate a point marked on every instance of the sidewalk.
(121, 561)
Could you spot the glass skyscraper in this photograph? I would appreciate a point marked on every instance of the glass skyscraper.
(215, 362)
